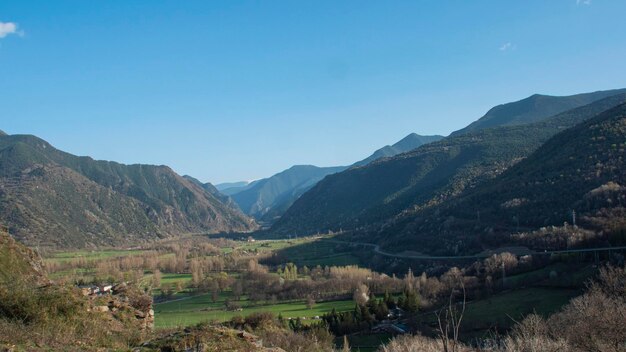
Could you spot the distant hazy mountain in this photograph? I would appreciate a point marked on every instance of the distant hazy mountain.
(424, 177)
(230, 188)
(534, 108)
(406, 144)
(49, 197)
(267, 199)
(226, 185)
(277, 192)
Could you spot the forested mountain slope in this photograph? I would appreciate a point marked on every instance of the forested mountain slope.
(429, 175)
(582, 169)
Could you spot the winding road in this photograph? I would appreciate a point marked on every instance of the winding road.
(377, 250)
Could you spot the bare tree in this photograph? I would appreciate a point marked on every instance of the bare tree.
(361, 295)
(449, 319)
(156, 278)
(310, 302)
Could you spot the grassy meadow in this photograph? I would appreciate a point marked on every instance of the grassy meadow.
(195, 309)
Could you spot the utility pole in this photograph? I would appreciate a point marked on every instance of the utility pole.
(574, 217)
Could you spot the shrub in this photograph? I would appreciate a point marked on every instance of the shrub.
(416, 343)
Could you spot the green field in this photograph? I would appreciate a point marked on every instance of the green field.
(91, 255)
(272, 245)
(568, 275)
(201, 308)
(313, 253)
(168, 279)
(504, 309)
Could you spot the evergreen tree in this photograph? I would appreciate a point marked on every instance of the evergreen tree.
(389, 301)
(366, 315)
(402, 301)
(281, 320)
(412, 302)
(381, 310)
(358, 316)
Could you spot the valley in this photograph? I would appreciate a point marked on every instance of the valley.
(321, 176)
(514, 222)
(225, 292)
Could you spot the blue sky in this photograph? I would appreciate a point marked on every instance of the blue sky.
(235, 90)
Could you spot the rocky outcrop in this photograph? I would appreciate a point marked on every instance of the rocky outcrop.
(208, 338)
(124, 303)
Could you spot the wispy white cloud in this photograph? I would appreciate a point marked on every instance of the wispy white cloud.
(583, 2)
(507, 46)
(7, 28)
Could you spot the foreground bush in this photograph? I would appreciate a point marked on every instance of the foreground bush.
(57, 316)
(417, 343)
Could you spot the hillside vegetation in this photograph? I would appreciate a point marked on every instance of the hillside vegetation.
(37, 314)
(581, 169)
(52, 198)
(359, 198)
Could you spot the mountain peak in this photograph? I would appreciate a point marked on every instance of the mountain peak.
(140, 202)
(2, 133)
(414, 140)
(410, 142)
(534, 108)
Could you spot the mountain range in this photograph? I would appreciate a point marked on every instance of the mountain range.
(575, 177)
(368, 198)
(229, 188)
(534, 108)
(523, 165)
(267, 199)
(52, 198)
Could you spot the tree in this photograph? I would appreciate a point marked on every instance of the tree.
(156, 278)
(365, 314)
(281, 320)
(381, 311)
(389, 301)
(291, 272)
(310, 302)
(197, 273)
(449, 320)
(346, 344)
(215, 291)
(412, 302)
(402, 300)
(361, 295)
(409, 280)
(237, 290)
